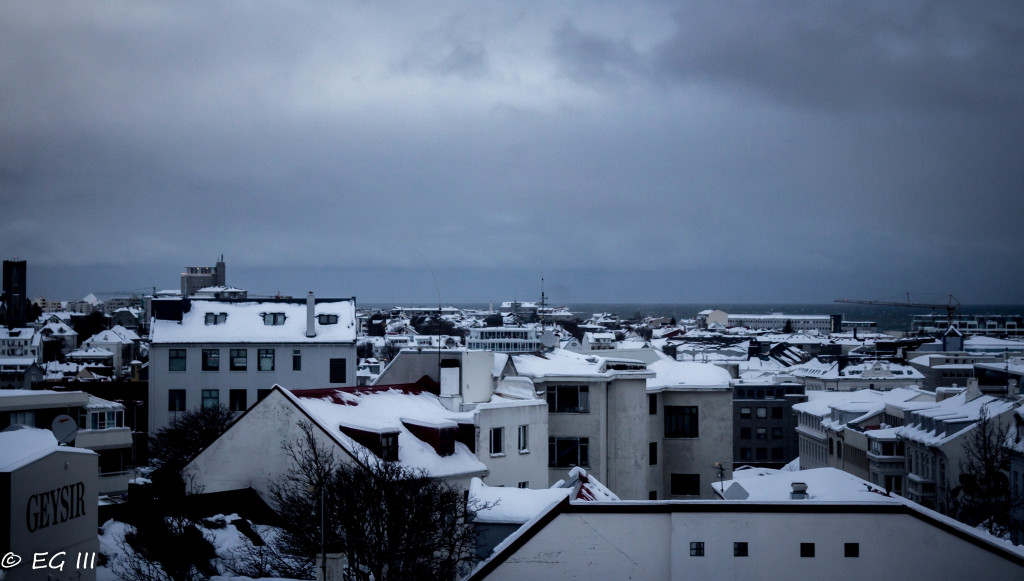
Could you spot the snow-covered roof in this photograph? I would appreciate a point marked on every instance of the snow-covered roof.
(381, 410)
(23, 446)
(821, 403)
(823, 484)
(244, 323)
(562, 363)
(501, 504)
(116, 334)
(950, 418)
(670, 373)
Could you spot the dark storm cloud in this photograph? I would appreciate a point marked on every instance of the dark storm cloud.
(846, 145)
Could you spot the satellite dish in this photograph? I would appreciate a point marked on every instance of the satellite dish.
(64, 429)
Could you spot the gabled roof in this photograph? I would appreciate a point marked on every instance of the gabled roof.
(388, 409)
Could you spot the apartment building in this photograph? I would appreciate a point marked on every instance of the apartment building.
(208, 352)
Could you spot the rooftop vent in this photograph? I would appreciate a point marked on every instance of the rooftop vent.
(799, 491)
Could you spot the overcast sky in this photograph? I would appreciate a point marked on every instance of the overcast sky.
(626, 151)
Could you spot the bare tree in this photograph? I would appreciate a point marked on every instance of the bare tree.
(391, 521)
(984, 497)
(176, 444)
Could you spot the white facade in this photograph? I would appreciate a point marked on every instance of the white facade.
(231, 352)
(505, 339)
(786, 540)
(51, 498)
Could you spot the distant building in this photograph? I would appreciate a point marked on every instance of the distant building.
(764, 423)
(505, 339)
(197, 277)
(15, 297)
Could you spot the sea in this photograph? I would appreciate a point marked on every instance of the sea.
(892, 319)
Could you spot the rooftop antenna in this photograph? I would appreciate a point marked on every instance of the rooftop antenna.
(543, 303)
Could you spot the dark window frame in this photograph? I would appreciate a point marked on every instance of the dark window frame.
(740, 549)
(176, 400)
(238, 399)
(568, 399)
(177, 360)
(338, 370)
(262, 356)
(239, 360)
(569, 449)
(682, 421)
(211, 360)
(210, 398)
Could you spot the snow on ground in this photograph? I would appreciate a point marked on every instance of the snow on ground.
(226, 539)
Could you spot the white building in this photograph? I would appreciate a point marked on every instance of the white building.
(505, 339)
(819, 375)
(50, 508)
(934, 439)
(796, 539)
(208, 353)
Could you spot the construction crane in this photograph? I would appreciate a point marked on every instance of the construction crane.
(951, 305)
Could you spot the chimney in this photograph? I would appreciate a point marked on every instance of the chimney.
(799, 491)
(973, 389)
(310, 315)
(1011, 387)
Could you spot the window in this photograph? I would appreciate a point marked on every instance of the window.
(27, 418)
(762, 413)
(680, 421)
(236, 400)
(175, 360)
(851, 549)
(652, 454)
(744, 413)
(745, 454)
(211, 398)
(652, 404)
(776, 413)
(338, 372)
(523, 484)
(740, 550)
(761, 433)
(569, 399)
(744, 433)
(568, 452)
(216, 318)
(296, 360)
(806, 549)
(105, 420)
(239, 359)
(697, 549)
(497, 441)
(762, 453)
(211, 359)
(777, 454)
(685, 485)
(265, 359)
(273, 318)
(524, 439)
(776, 433)
(327, 319)
(389, 446)
(176, 400)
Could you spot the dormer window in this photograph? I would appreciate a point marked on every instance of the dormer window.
(327, 319)
(273, 318)
(216, 318)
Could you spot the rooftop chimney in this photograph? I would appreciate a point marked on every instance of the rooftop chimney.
(310, 315)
